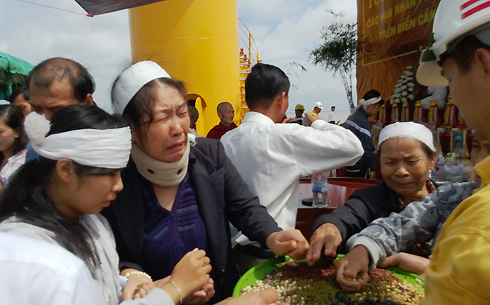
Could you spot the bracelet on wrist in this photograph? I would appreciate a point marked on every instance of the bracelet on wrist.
(137, 272)
(178, 290)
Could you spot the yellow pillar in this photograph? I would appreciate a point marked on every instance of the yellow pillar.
(195, 41)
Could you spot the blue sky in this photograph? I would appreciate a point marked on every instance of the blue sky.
(285, 32)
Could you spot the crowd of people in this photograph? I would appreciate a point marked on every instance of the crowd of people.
(135, 208)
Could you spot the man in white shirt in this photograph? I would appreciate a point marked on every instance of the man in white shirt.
(271, 157)
(331, 116)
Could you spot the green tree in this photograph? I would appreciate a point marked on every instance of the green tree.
(338, 53)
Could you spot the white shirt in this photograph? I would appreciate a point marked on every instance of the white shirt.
(331, 117)
(39, 273)
(13, 164)
(271, 157)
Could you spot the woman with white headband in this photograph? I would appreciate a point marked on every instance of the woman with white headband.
(386, 240)
(57, 198)
(359, 124)
(179, 195)
(407, 155)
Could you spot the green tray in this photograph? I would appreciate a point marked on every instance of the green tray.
(261, 270)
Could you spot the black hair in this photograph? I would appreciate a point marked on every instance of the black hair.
(22, 89)
(263, 84)
(427, 150)
(464, 52)
(54, 69)
(140, 107)
(27, 195)
(13, 118)
(373, 93)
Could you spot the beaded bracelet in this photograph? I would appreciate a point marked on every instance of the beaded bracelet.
(178, 290)
(136, 272)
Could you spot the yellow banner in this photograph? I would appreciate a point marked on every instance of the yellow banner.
(392, 35)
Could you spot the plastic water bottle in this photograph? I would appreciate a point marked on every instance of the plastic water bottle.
(319, 189)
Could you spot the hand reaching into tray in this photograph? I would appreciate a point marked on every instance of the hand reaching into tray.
(326, 236)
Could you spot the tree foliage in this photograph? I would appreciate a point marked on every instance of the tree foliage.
(338, 53)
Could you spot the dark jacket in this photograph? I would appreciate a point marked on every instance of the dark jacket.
(363, 206)
(359, 124)
(222, 196)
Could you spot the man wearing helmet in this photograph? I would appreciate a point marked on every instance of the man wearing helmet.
(317, 108)
(460, 58)
(299, 118)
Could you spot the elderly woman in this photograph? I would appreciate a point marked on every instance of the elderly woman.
(381, 242)
(407, 155)
(180, 194)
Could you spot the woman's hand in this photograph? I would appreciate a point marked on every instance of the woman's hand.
(288, 242)
(189, 275)
(201, 296)
(408, 262)
(264, 297)
(137, 286)
(351, 270)
(328, 236)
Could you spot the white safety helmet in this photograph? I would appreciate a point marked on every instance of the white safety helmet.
(318, 105)
(454, 20)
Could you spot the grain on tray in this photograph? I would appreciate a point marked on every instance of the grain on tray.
(300, 284)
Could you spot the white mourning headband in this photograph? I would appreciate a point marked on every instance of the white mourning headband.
(104, 148)
(132, 80)
(407, 130)
(370, 101)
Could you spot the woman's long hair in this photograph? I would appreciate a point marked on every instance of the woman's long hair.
(13, 118)
(27, 196)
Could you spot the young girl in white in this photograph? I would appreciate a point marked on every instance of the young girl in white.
(58, 196)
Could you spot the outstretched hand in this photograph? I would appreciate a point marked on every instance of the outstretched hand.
(288, 242)
(326, 236)
(408, 262)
